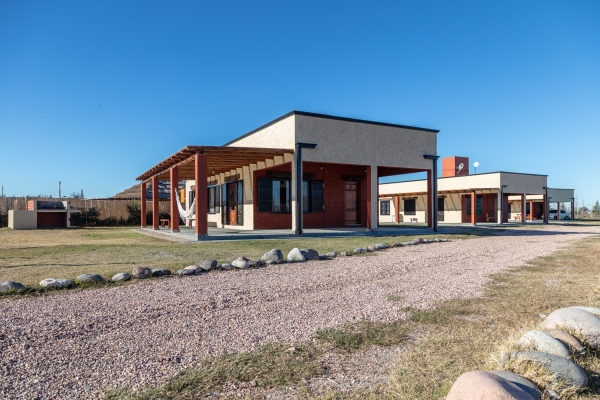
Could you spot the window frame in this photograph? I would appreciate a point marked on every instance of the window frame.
(410, 210)
(384, 210)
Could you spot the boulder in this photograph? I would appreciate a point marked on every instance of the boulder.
(270, 262)
(563, 370)
(380, 246)
(241, 263)
(157, 272)
(358, 251)
(5, 286)
(227, 267)
(166, 272)
(437, 241)
(371, 248)
(343, 254)
(521, 382)
(55, 283)
(310, 254)
(273, 255)
(568, 340)
(331, 254)
(542, 341)
(296, 255)
(322, 257)
(485, 386)
(122, 276)
(584, 324)
(255, 263)
(89, 278)
(185, 272)
(593, 310)
(141, 272)
(208, 265)
(197, 270)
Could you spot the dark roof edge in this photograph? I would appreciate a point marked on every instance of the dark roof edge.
(326, 116)
(483, 173)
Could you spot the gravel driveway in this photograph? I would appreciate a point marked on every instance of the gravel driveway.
(79, 343)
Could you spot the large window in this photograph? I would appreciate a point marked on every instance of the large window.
(384, 207)
(274, 195)
(478, 205)
(213, 199)
(410, 207)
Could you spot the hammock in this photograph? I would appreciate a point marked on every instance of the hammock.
(187, 215)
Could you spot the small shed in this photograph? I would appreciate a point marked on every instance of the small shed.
(41, 214)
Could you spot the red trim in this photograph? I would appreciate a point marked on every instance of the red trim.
(143, 204)
(429, 212)
(155, 200)
(174, 175)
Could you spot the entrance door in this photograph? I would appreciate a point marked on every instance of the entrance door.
(351, 203)
(232, 203)
(440, 209)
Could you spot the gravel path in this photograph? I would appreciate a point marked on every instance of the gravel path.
(79, 343)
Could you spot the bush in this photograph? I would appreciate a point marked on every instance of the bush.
(86, 217)
(3, 220)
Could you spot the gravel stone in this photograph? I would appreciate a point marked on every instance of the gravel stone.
(5, 286)
(122, 276)
(274, 255)
(83, 342)
(56, 283)
(141, 272)
(208, 265)
(89, 278)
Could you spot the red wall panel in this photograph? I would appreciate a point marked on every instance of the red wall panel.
(51, 220)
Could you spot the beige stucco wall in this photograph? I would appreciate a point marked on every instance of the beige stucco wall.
(524, 183)
(280, 135)
(561, 195)
(21, 219)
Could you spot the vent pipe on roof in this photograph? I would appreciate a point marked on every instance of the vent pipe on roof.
(59, 190)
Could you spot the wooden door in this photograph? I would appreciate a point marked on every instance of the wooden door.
(351, 203)
(232, 203)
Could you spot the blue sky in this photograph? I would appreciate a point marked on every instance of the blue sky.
(94, 93)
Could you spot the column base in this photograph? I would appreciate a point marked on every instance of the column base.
(157, 229)
(174, 230)
(202, 236)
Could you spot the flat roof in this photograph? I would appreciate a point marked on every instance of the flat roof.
(326, 116)
(465, 176)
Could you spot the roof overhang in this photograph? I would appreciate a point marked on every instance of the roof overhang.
(220, 159)
(442, 192)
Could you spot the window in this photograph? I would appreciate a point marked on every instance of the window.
(213, 199)
(410, 207)
(274, 195)
(384, 207)
(191, 196)
(478, 205)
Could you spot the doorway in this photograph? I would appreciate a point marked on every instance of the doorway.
(351, 203)
(440, 209)
(232, 210)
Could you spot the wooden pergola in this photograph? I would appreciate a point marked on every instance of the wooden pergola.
(199, 163)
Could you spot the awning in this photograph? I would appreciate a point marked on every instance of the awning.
(220, 159)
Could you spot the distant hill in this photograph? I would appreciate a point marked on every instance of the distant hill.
(133, 193)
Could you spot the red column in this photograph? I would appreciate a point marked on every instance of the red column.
(572, 210)
(530, 210)
(523, 208)
(429, 212)
(174, 176)
(143, 204)
(473, 206)
(369, 200)
(155, 201)
(200, 175)
(397, 207)
(558, 211)
(544, 218)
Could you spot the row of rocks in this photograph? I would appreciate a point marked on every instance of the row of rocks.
(552, 348)
(274, 256)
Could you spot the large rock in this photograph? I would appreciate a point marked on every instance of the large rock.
(542, 341)
(241, 263)
(123, 276)
(5, 286)
(56, 283)
(158, 272)
(89, 278)
(593, 310)
(568, 340)
(296, 255)
(380, 246)
(331, 254)
(563, 370)
(371, 248)
(186, 272)
(255, 263)
(310, 254)
(227, 267)
(357, 250)
(208, 265)
(521, 382)
(481, 385)
(197, 270)
(273, 255)
(141, 272)
(584, 324)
